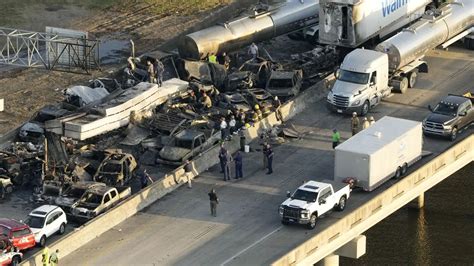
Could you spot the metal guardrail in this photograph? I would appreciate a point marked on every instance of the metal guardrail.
(375, 210)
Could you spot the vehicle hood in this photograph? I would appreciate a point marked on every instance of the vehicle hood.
(171, 153)
(346, 88)
(439, 118)
(65, 201)
(239, 75)
(35, 230)
(294, 203)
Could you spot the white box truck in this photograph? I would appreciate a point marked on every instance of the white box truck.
(384, 150)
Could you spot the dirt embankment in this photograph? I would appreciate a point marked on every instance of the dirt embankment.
(149, 23)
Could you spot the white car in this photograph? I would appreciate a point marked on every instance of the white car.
(46, 221)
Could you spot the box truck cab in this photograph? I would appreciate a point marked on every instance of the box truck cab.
(361, 82)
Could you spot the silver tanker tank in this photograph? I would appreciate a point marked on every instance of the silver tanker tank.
(428, 33)
(287, 17)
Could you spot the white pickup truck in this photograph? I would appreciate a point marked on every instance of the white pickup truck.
(313, 199)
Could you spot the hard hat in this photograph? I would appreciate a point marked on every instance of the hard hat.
(365, 118)
(276, 98)
(257, 107)
(354, 114)
(371, 118)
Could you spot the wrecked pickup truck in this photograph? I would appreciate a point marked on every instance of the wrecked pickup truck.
(116, 169)
(72, 194)
(185, 145)
(285, 84)
(98, 200)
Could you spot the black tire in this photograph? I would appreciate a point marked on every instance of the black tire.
(42, 242)
(398, 172)
(16, 260)
(412, 76)
(9, 189)
(400, 85)
(454, 134)
(284, 222)
(404, 169)
(342, 204)
(365, 108)
(312, 221)
(62, 229)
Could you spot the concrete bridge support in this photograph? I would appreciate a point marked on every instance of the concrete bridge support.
(418, 202)
(354, 249)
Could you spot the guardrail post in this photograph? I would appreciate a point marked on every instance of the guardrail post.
(418, 202)
(329, 260)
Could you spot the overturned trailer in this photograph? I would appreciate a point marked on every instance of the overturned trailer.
(292, 15)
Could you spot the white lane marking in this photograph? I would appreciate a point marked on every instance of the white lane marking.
(249, 247)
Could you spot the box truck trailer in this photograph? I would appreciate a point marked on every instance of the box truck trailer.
(384, 150)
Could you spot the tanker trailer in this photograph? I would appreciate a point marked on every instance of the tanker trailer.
(351, 23)
(292, 15)
(367, 76)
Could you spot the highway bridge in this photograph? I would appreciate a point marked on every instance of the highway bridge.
(179, 230)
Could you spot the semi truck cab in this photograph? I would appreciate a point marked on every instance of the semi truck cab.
(361, 82)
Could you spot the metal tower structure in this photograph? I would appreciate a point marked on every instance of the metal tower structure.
(53, 50)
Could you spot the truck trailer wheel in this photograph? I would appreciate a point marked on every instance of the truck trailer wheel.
(342, 204)
(404, 169)
(400, 84)
(312, 221)
(469, 43)
(412, 76)
(398, 173)
(16, 260)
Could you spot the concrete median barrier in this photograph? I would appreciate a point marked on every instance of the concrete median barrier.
(176, 178)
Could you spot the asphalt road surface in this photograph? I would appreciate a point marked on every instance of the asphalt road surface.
(179, 229)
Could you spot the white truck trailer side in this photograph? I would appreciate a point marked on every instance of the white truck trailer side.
(378, 153)
(350, 23)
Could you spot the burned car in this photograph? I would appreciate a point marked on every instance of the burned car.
(260, 68)
(6, 183)
(241, 80)
(72, 194)
(233, 102)
(186, 145)
(98, 200)
(261, 97)
(116, 169)
(285, 84)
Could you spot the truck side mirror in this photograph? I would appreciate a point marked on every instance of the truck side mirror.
(431, 108)
(337, 73)
(288, 194)
(322, 201)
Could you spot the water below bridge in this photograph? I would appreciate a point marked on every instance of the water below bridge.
(440, 234)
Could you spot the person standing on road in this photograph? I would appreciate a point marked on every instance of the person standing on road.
(2, 191)
(264, 152)
(371, 120)
(54, 258)
(354, 123)
(238, 165)
(277, 106)
(150, 71)
(223, 128)
(253, 51)
(222, 154)
(227, 160)
(214, 200)
(226, 60)
(188, 171)
(365, 123)
(269, 155)
(336, 138)
(45, 257)
(160, 69)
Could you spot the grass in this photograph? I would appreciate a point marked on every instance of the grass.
(184, 7)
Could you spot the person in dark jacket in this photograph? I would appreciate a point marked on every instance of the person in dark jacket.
(214, 200)
(222, 154)
(238, 165)
(269, 155)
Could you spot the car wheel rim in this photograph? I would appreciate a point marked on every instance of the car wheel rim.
(313, 221)
(342, 203)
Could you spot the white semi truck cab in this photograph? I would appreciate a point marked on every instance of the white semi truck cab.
(361, 82)
(313, 199)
